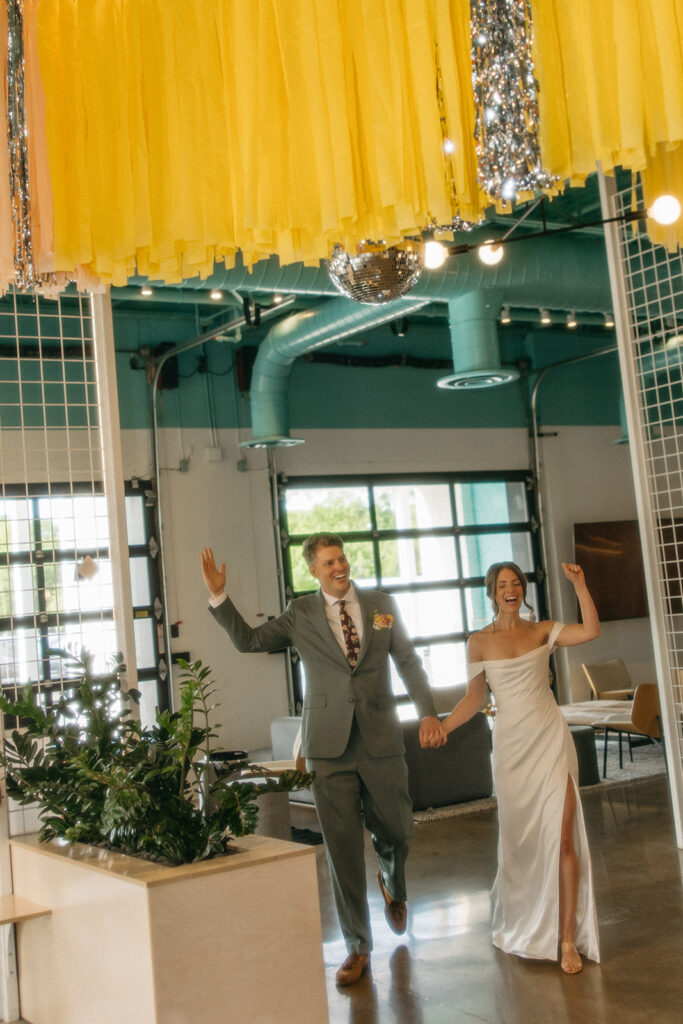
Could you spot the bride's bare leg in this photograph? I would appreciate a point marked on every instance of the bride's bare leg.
(569, 885)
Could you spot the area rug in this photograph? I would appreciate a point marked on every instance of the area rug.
(648, 762)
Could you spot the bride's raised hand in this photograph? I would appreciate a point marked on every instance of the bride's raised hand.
(574, 574)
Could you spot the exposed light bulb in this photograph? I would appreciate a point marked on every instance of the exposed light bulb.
(434, 255)
(505, 317)
(665, 210)
(571, 319)
(509, 189)
(146, 290)
(490, 253)
(216, 294)
(545, 316)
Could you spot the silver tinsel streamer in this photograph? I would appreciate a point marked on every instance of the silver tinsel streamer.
(20, 196)
(505, 91)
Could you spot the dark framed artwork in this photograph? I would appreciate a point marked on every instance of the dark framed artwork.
(612, 561)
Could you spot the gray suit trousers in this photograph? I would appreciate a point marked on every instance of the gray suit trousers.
(350, 791)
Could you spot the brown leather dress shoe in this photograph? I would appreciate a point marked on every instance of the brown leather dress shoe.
(353, 968)
(395, 911)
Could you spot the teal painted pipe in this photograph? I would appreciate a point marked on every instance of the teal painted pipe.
(294, 336)
(564, 272)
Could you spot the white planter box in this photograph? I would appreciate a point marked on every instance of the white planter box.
(236, 938)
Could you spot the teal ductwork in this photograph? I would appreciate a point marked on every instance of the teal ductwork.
(290, 338)
(473, 323)
(566, 272)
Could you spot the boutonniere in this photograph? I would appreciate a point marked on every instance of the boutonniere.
(380, 621)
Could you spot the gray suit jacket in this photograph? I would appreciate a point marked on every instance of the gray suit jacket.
(333, 689)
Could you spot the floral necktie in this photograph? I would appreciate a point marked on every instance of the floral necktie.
(351, 641)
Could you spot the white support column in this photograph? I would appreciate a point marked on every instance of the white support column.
(9, 982)
(112, 464)
(648, 534)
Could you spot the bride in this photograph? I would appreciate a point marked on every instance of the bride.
(543, 891)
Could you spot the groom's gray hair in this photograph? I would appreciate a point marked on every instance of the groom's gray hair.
(320, 540)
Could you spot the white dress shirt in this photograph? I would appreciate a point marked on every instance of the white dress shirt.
(353, 610)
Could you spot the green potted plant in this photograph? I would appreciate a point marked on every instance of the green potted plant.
(100, 778)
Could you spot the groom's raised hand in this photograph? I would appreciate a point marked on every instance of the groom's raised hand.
(431, 733)
(213, 577)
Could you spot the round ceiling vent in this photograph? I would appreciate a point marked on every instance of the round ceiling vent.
(275, 441)
(478, 378)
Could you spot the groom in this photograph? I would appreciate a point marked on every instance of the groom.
(351, 735)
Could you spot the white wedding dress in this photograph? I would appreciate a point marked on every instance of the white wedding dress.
(533, 753)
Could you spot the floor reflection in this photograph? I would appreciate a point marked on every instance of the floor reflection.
(445, 969)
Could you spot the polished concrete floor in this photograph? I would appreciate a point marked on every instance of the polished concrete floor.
(444, 970)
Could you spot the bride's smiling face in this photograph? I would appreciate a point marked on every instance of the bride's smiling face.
(509, 591)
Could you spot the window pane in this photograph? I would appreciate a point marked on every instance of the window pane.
(144, 643)
(149, 701)
(479, 609)
(139, 578)
(135, 519)
(297, 570)
(98, 637)
(79, 522)
(20, 657)
(479, 551)
(361, 559)
(431, 612)
(482, 504)
(16, 590)
(406, 712)
(327, 509)
(445, 665)
(409, 559)
(15, 533)
(66, 591)
(413, 506)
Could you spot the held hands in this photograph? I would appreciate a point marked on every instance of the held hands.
(432, 734)
(574, 574)
(213, 577)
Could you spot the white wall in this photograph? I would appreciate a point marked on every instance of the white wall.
(214, 504)
(587, 478)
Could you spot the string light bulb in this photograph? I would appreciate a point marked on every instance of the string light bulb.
(665, 210)
(490, 253)
(434, 255)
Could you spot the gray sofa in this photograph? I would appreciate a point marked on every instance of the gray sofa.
(459, 771)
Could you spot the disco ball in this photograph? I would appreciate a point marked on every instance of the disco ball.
(374, 277)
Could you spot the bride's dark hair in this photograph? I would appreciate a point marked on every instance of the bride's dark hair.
(491, 578)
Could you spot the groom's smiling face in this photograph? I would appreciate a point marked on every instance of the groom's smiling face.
(332, 571)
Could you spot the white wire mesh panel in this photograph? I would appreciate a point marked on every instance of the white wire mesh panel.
(55, 571)
(653, 282)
